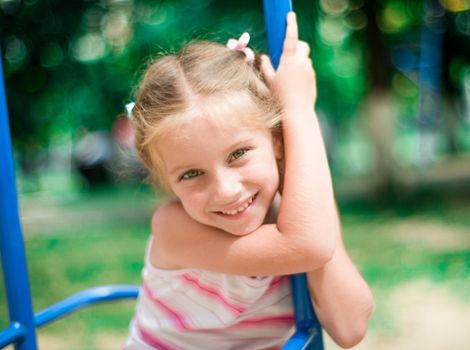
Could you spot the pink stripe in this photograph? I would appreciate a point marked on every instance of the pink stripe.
(150, 339)
(257, 339)
(275, 284)
(214, 293)
(175, 316)
(267, 321)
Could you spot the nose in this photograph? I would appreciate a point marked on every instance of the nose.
(227, 187)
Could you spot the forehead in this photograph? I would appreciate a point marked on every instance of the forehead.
(204, 139)
(205, 133)
(237, 109)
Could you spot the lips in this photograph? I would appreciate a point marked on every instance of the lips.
(241, 208)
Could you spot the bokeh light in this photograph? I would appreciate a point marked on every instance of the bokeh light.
(456, 5)
(394, 18)
(90, 47)
(16, 52)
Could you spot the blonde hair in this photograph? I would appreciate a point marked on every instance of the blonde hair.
(203, 79)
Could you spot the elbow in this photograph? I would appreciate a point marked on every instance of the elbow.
(325, 249)
(351, 337)
(351, 332)
(320, 253)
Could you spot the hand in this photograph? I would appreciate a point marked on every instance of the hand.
(294, 82)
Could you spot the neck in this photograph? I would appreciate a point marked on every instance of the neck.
(271, 216)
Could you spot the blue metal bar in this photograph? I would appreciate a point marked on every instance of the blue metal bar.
(13, 333)
(15, 272)
(430, 76)
(305, 318)
(275, 13)
(430, 67)
(85, 298)
(299, 341)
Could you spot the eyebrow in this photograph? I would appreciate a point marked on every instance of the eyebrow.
(179, 169)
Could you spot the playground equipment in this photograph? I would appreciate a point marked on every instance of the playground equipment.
(23, 321)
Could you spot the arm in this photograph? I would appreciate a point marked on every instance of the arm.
(342, 299)
(303, 237)
(343, 302)
(308, 205)
(181, 242)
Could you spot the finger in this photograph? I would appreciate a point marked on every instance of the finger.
(292, 34)
(303, 49)
(267, 69)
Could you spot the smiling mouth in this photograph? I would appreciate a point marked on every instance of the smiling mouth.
(241, 208)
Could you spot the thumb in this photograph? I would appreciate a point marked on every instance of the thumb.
(267, 69)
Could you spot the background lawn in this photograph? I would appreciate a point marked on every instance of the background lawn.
(416, 259)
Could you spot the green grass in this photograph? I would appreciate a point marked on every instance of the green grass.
(79, 250)
(70, 256)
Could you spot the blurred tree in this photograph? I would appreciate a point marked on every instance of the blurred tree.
(71, 65)
(41, 79)
(455, 63)
(377, 105)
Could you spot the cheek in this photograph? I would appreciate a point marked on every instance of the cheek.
(192, 201)
(265, 172)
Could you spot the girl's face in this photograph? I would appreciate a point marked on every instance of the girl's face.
(225, 177)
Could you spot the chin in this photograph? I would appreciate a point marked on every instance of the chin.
(245, 230)
(241, 233)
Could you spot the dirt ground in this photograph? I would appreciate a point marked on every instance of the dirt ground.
(422, 315)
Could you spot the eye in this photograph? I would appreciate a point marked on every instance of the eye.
(238, 154)
(190, 174)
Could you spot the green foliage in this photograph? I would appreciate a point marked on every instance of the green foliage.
(71, 66)
(76, 62)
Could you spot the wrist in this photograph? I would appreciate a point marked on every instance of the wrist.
(298, 113)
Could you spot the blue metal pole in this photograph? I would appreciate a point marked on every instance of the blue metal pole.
(83, 299)
(12, 334)
(430, 76)
(15, 272)
(305, 317)
(431, 61)
(275, 13)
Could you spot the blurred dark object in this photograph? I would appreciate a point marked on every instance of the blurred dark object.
(127, 167)
(93, 157)
(104, 157)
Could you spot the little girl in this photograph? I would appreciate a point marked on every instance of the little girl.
(253, 203)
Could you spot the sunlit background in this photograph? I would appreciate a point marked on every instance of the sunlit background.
(394, 102)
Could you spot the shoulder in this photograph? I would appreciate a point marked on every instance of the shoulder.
(165, 214)
(164, 231)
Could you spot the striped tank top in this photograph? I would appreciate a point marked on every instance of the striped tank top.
(192, 309)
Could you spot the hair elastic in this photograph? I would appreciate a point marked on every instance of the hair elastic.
(129, 108)
(242, 45)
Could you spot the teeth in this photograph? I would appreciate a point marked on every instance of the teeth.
(240, 209)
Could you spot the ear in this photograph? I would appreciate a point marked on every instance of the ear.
(278, 147)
